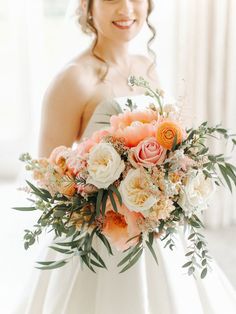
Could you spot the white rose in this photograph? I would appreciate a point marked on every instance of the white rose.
(104, 165)
(196, 193)
(135, 191)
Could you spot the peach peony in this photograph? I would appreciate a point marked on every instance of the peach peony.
(120, 227)
(166, 133)
(135, 133)
(133, 127)
(124, 120)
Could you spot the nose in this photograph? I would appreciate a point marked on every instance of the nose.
(126, 7)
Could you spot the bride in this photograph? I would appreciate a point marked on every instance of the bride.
(82, 94)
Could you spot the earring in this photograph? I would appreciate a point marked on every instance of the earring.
(90, 17)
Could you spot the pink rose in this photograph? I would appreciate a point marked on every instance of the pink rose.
(148, 153)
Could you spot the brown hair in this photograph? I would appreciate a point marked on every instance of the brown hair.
(87, 26)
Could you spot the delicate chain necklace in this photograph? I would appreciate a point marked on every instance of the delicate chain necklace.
(124, 76)
(119, 72)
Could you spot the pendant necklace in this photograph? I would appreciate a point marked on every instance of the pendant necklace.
(125, 77)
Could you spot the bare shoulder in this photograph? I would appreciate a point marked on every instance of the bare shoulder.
(63, 105)
(147, 65)
(74, 82)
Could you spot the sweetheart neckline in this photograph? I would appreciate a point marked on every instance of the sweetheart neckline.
(129, 96)
(116, 100)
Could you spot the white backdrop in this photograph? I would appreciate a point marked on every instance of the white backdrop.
(196, 48)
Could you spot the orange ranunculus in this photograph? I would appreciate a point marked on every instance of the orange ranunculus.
(166, 133)
(120, 227)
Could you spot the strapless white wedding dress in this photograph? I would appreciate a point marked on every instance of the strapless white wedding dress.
(144, 289)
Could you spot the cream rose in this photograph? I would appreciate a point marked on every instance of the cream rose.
(196, 192)
(135, 190)
(104, 165)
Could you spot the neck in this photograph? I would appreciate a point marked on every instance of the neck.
(113, 52)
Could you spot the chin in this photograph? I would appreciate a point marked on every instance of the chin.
(124, 37)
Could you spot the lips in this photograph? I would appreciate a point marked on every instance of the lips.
(123, 24)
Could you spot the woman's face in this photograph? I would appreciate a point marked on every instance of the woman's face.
(119, 20)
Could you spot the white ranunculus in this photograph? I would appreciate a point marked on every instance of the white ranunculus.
(135, 191)
(104, 165)
(196, 192)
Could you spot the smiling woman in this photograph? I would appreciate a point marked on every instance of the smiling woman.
(86, 91)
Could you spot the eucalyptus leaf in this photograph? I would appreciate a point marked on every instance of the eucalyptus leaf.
(152, 251)
(113, 202)
(86, 261)
(25, 209)
(191, 270)
(99, 201)
(105, 242)
(64, 251)
(133, 261)
(95, 263)
(151, 237)
(53, 266)
(104, 202)
(187, 264)
(116, 191)
(225, 175)
(37, 191)
(204, 273)
(129, 256)
(98, 257)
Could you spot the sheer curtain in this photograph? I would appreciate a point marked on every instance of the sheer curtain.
(205, 57)
(21, 74)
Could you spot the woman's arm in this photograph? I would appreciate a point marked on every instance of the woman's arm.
(62, 111)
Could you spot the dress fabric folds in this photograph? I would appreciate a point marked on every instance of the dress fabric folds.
(144, 289)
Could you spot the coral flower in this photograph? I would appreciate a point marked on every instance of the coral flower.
(85, 146)
(67, 188)
(124, 120)
(120, 227)
(98, 135)
(133, 127)
(135, 133)
(166, 133)
(58, 157)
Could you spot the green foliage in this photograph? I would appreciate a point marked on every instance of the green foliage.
(58, 212)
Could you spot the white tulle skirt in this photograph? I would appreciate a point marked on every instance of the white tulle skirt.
(144, 289)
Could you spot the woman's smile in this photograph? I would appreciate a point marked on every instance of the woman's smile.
(124, 24)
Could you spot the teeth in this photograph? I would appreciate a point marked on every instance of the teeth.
(125, 23)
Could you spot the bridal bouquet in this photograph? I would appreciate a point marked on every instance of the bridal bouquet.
(135, 181)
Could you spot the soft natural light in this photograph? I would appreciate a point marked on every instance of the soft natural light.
(196, 49)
